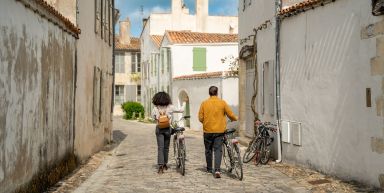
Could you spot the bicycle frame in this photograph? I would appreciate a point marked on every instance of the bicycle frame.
(179, 145)
(231, 148)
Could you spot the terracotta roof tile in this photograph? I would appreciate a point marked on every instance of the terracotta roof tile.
(187, 37)
(134, 45)
(157, 40)
(205, 75)
(68, 24)
(301, 6)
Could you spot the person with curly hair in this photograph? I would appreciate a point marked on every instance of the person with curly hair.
(163, 107)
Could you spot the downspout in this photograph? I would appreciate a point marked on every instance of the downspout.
(113, 67)
(113, 58)
(277, 73)
(75, 83)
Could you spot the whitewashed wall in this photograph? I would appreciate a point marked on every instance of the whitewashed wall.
(260, 12)
(37, 65)
(182, 58)
(147, 48)
(325, 72)
(197, 91)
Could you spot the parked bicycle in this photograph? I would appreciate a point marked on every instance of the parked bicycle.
(179, 149)
(231, 154)
(259, 147)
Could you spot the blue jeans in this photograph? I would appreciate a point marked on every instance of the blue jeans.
(163, 137)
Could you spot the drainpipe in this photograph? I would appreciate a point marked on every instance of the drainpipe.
(277, 73)
(113, 57)
(114, 20)
(75, 83)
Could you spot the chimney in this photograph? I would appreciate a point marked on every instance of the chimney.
(177, 6)
(125, 31)
(201, 15)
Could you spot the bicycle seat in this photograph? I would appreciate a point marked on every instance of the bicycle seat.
(178, 129)
(231, 130)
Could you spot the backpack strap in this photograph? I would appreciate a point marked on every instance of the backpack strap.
(161, 111)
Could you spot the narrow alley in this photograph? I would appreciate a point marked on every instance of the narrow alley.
(131, 167)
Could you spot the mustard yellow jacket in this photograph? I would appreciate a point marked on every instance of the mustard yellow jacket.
(212, 114)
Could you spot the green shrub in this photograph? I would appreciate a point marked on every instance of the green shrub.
(132, 110)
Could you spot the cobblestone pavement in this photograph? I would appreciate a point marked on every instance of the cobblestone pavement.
(131, 167)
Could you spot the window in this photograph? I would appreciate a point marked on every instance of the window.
(111, 12)
(119, 94)
(138, 62)
(119, 63)
(163, 60)
(169, 59)
(104, 19)
(135, 62)
(138, 90)
(156, 62)
(199, 59)
(152, 63)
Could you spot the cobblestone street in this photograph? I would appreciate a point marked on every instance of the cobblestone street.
(131, 167)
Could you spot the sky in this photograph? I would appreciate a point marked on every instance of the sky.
(132, 9)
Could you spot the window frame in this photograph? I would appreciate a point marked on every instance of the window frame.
(120, 63)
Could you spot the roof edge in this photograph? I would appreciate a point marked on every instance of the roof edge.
(302, 7)
(207, 75)
(47, 11)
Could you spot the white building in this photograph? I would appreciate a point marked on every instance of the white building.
(327, 90)
(178, 20)
(196, 63)
(127, 68)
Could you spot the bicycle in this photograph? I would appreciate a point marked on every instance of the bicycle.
(179, 149)
(231, 154)
(259, 147)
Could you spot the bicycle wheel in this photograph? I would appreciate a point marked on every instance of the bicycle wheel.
(249, 153)
(176, 152)
(265, 152)
(237, 163)
(227, 158)
(182, 157)
(258, 150)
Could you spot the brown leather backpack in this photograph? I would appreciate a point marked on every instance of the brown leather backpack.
(163, 122)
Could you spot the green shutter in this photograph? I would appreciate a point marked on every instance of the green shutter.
(199, 59)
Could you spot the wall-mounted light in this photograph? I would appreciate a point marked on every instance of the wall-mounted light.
(377, 7)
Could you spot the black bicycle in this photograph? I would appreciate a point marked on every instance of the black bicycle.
(231, 154)
(259, 147)
(179, 149)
